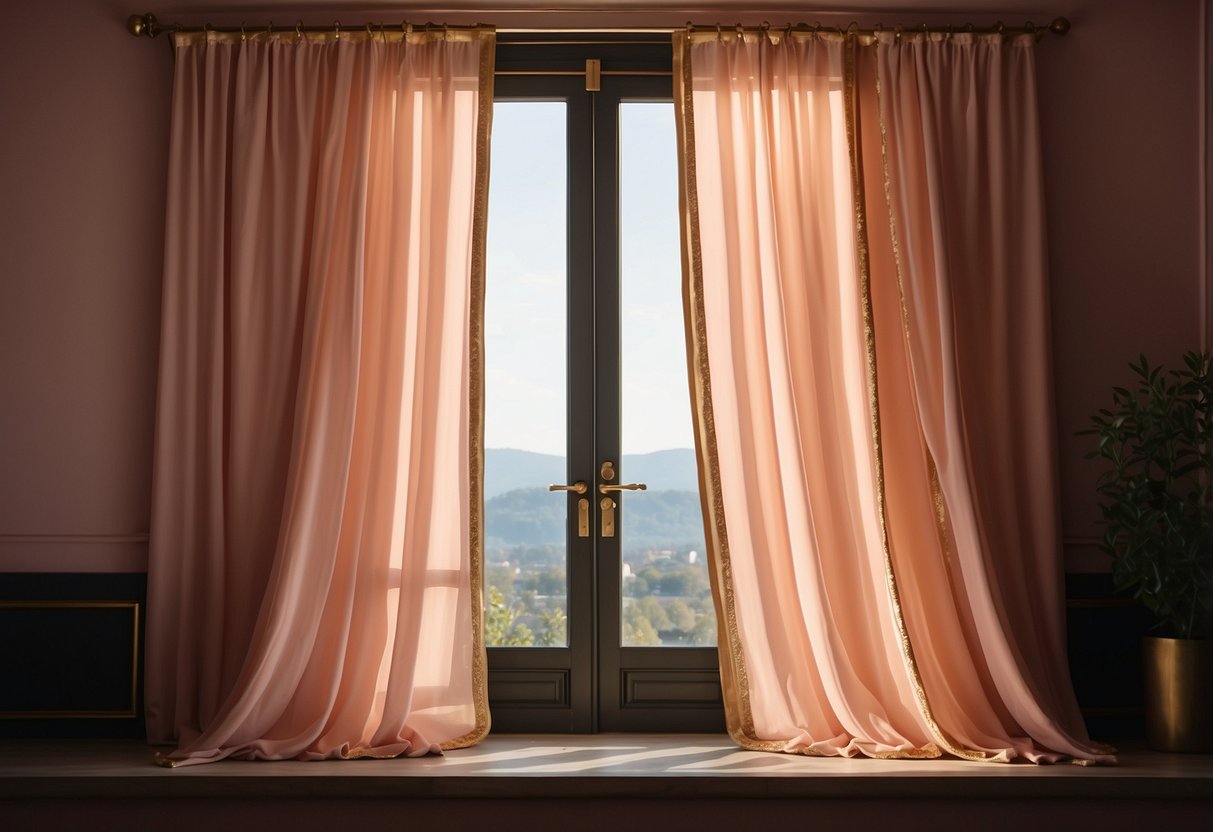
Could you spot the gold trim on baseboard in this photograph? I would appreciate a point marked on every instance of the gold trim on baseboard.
(117, 713)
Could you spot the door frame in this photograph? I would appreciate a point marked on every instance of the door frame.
(595, 684)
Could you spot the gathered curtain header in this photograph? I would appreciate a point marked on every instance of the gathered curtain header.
(403, 33)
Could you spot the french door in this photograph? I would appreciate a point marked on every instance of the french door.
(599, 614)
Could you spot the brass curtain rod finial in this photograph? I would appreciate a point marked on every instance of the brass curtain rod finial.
(143, 24)
(1059, 26)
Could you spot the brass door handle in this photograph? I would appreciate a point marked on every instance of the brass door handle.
(631, 486)
(578, 487)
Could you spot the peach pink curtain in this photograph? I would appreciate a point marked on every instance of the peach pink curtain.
(868, 350)
(314, 587)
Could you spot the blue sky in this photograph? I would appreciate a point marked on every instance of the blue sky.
(526, 295)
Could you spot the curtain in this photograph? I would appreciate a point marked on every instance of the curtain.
(868, 344)
(314, 584)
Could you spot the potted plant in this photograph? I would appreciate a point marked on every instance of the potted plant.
(1156, 492)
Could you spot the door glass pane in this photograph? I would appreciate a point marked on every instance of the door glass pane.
(667, 599)
(525, 324)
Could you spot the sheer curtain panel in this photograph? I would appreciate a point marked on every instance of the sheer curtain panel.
(314, 587)
(867, 338)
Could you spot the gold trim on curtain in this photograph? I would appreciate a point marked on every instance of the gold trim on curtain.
(869, 326)
(733, 677)
(484, 123)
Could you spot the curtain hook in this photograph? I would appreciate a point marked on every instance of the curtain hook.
(269, 30)
(336, 30)
(740, 32)
(1031, 27)
(998, 27)
(243, 36)
(298, 30)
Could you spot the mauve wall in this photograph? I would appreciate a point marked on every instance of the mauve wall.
(82, 156)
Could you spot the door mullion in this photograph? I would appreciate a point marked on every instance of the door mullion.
(583, 589)
(607, 403)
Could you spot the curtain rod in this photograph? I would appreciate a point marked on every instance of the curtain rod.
(147, 25)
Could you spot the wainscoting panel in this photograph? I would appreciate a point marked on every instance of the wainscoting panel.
(1104, 630)
(71, 654)
(671, 689)
(532, 688)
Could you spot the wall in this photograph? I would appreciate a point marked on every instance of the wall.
(82, 158)
(1121, 113)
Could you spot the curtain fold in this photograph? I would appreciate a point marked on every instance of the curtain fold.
(314, 584)
(872, 405)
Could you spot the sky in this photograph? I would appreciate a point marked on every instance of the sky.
(525, 297)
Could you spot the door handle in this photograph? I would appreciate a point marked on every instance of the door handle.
(583, 505)
(631, 486)
(607, 505)
(607, 473)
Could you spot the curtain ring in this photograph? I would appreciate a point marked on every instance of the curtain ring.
(740, 32)
(998, 27)
(1031, 27)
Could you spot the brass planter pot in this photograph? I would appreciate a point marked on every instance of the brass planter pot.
(1179, 694)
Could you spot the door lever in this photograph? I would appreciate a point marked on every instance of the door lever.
(631, 486)
(583, 505)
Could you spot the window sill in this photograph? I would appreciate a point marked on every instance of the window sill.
(579, 766)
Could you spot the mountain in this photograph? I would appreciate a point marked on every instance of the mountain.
(535, 517)
(506, 469)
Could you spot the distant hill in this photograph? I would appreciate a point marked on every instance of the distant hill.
(536, 517)
(506, 469)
